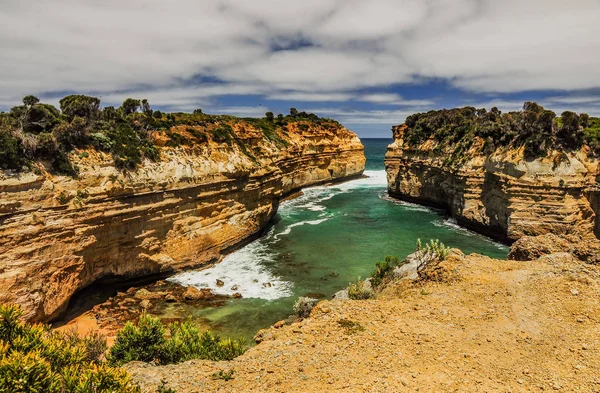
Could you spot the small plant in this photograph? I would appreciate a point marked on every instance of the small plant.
(63, 198)
(358, 290)
(83, 194)
(432, 254)
(93, 342)
(224, 375)
(382, 269)
(162, 388)
(350, 327)
(304, 306)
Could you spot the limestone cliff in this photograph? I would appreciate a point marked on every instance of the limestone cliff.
(500, 193)
(60, 234)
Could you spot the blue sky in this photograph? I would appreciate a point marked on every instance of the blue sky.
(368, 64)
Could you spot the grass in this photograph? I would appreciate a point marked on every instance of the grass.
(223, 375)
(350, 327)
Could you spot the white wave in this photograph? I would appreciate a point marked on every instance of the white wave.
(247, 270)
(371, 179)
(407, 205)
(242, 271)
(452, 223)
(288, 229)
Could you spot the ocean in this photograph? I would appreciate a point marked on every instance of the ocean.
(316, 245)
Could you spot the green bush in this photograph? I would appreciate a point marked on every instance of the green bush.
(94, 343)
(223, 134)
(382, 269)
(147, 341)
(358, 290)
(11, 152)
(128, 148)
(34, 360)
(144, 341)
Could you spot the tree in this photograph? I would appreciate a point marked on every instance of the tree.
(584, 120)
(569, 133)
(146, 108)
(130, 106)
(270, 116)
(109, 113)
(293, 112)
(157, 114)
(80, 105)
(546, 121)
(197, 111)
(30, 100)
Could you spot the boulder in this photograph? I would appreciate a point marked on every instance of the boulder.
(146, 304)
(193, 293)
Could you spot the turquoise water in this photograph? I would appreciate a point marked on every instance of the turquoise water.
(317, 244)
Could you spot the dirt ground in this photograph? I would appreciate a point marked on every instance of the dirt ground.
(476, 325)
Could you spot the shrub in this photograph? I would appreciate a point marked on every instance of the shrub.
(431, 255)
(79, 105)
(11, 152)
(32, 359)
(101, 142)
(94, 343)
(62, 165)
(223, 134)
(382, 269)
(127, 147)
(359, 290)
(304, 306)
(144, 341)
(47, 145)
(147, 342)
(187, 342)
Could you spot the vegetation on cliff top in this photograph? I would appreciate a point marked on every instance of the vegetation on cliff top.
(35, 359)
(536, 129)
(34, 131)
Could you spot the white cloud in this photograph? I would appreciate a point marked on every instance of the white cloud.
(326, 49)
(313, 97)
(243, 111)
(393, 99)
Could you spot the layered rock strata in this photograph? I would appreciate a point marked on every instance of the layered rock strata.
(501, 195)
(58, 234)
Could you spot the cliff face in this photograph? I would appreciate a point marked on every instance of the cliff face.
(501, 194)
(59, 234)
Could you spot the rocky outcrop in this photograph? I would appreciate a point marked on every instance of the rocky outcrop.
(501, 195)
(58, 234)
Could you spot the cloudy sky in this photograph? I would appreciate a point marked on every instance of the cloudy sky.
(366, 63)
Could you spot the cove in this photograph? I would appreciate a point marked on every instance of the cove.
(317, 244)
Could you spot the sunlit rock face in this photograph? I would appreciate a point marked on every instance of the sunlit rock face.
(502, 194)
(59, 234)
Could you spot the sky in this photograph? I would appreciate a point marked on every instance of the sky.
(368, 64)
